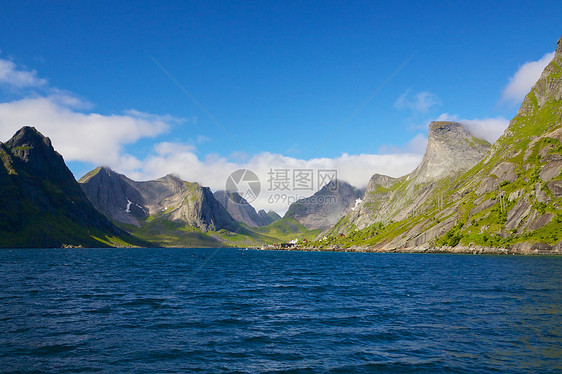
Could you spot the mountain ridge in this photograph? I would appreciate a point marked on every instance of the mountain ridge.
(451, 149)
(42, 204)
(326, 206)
(241, 210)
(510, 199)
(130, 202)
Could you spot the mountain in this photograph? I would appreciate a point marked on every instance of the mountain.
(172, 212)
(241, 210)
(325, 207)
(114, 195)
(270, 216)
(42, 204)
(450, 150)
(510, 199)
(169, 198)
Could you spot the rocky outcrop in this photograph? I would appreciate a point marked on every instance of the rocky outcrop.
(270, 216)
(42, 204)
(169, 198)
(450, 148)
(461, 196)
(241, 210)
(327, 206)
(114, 195)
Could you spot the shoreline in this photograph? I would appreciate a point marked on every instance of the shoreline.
(524, 249)
(527, 249)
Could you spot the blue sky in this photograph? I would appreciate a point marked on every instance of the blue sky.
(281, 77)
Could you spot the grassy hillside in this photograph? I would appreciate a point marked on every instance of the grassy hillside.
(512, 196)
(162, 231)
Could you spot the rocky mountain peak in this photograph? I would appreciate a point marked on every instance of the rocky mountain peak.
(100, 173)
(29, 136)
(380, 180)
(450, 148)
(41, 193)
(168, 198)
(31, 147)
(240, 209)
(325, 207)
(441, 128)
(270, 216)
(105, 170)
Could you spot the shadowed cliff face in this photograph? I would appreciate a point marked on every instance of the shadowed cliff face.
(42, 204)
(168, 198)
(242, 211)
(325, 207)
(114, 195)
(269, 216)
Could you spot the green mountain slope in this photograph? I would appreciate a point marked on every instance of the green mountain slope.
(41, 203)
(174, 213)
(511, 199)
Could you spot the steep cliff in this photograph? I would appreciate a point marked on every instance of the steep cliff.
(42, 205)
(325, 207)
(169, 198)
(241, 210)
(511, 199)
(451, 149)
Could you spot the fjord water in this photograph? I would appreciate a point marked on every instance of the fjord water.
(226, 310)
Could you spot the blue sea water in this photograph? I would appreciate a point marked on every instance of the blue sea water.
(233, 311)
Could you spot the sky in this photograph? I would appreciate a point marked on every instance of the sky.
(203, 88)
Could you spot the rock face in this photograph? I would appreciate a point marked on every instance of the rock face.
(325, 207)
(114, 195)
(450, 150)
(42, 204)
(510, 197)
(169, 198)
(270, 216)
(241, 210)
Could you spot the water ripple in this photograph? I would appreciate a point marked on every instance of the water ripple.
(139, 310)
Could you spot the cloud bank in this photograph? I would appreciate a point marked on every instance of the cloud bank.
(89, 137)
(80, 134)
(12, 76)
(489, 129)
(521, 82)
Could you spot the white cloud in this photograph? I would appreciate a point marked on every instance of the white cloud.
(81, 135)
(78, 136)
(12, 76)
(168, 148)
(89, 137)
(521, 82)
(419, 103)
(180, 159)
(489, 129)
